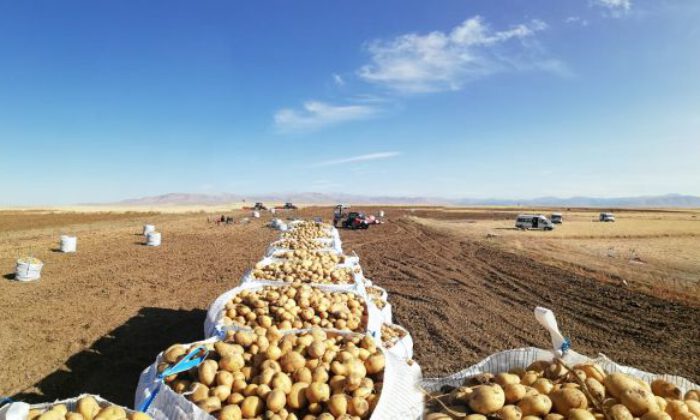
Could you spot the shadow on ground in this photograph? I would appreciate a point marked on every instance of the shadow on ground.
(111, 367)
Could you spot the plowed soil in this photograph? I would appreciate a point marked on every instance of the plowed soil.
(98, 317)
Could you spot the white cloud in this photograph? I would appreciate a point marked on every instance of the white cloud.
(338, 79)
(316, 114)
(360, 158)
(576, 20)
(616, 8)
(439, 61)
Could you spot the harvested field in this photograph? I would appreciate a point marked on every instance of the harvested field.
(98, 317)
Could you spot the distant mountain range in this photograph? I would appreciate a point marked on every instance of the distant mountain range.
(668, 200)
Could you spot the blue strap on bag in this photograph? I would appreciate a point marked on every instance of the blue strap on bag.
(185, 364)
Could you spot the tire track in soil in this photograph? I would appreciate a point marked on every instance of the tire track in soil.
(463, 300)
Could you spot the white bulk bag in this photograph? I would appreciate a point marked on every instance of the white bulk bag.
(68, 243)
(214, 327)
(153, 239)
(356, 284)
(27, 270)
(148, 229)
(255, 214)
(400, 398)
(20, 410)
(523, 357)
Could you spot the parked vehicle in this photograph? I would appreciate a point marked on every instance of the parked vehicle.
(606, 217)
(556, 218)
(533, 221)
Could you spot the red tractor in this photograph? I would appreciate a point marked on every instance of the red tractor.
(355, 220)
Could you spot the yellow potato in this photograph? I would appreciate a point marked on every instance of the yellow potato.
(580, 414)
(567, 399)
(535, 405)
(487, 399)
(639, 401)
(666, 389)
(88, 407)
(510, 412)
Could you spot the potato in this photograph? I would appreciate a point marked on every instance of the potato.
(487, 399)
(375, 363)
(111, 412)
(535, 405)
(74, 416)
(529, 378)
(297, 395)
(199, 392)
(252, 406)
(665, 389)
(580, 414)
(510, 412)
(656, 415)
(514, 392)
(61, 408)
(358, 406)
(471, 416)
(620, 412)
(137, 415)
(207, 371)
(674, 408)
(318, 392)
(338, 405)
(504, 379)
(592, 371)
(693, 406)
(543, 386)
(276, 400)
(638, 401)
(88, 407)
(51, 415)
(567, 399)
(596, 388)
(693, 394)
(553, 416)
(616, 383)
(230, 412)
(210, 404)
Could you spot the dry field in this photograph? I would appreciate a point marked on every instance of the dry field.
(655, 252)
(98, 317)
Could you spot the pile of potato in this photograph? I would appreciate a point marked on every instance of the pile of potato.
(295, 307)
(376, 295)
(308, 230)
(391, 334)
(294, 244)
(86, 408)
(550, 391)
(313, 255)
(309, 270)
(263, 374)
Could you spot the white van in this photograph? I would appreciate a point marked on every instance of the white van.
(557, 218)
(606, 217)
(533, 221)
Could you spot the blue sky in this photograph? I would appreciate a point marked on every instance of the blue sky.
(101, 101)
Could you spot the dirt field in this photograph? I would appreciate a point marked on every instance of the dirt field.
(98, 317)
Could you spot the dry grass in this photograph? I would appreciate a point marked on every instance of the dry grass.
(655, 252)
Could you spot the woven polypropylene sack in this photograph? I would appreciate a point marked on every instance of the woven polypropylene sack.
(213, 326)
(400, 399)
(521, 358)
